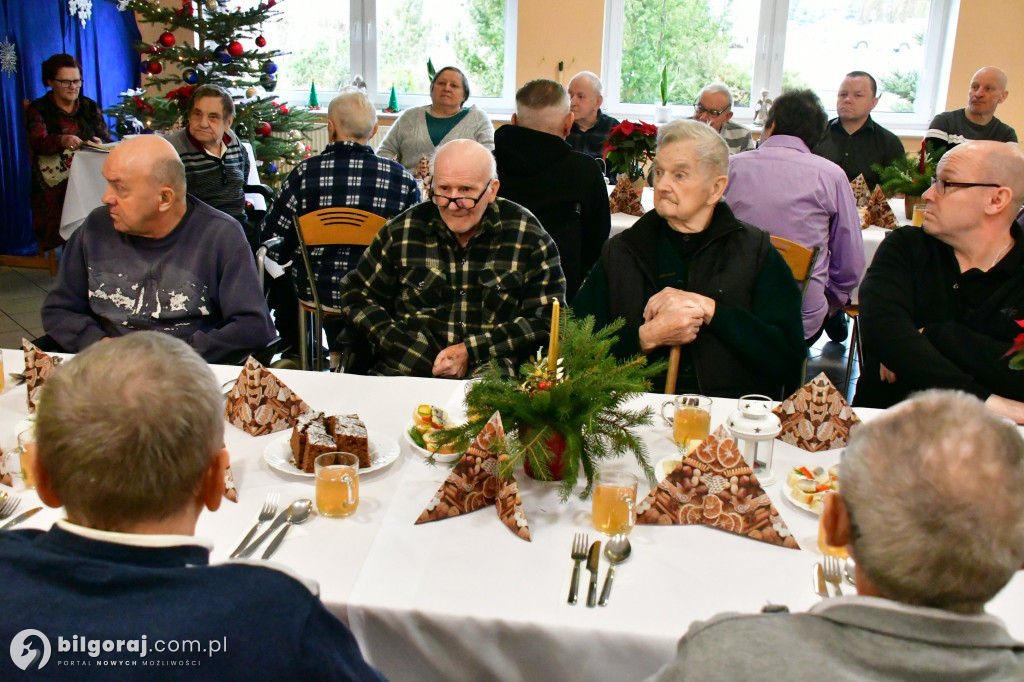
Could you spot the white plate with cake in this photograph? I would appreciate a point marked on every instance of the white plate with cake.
(316, 433)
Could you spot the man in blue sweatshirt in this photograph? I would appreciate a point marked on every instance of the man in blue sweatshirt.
(130, 440)
(156, 259)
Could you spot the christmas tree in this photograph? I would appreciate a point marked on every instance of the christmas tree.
(219, 57)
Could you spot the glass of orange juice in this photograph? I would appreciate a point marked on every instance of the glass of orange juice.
(614, 510)
(691, 420)
(918, 219)
(826, 548)
(337, 484)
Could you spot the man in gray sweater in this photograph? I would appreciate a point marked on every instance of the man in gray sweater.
(931, 506)
(153, 258)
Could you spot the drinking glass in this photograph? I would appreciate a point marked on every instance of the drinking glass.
(25, 438)
(918, 219)
(614, 510)
(337, 484)
(691, 420)
(826, 548)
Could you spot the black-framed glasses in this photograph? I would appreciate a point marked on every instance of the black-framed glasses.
(940, 185)
(68, 84)
(462, 202)
(699, 109)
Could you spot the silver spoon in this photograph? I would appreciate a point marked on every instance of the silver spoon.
(297, 513)
(617, 549)
(850, 569)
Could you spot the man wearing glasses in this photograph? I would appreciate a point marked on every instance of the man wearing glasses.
(714, 108)
(451, 284)
(941, 304)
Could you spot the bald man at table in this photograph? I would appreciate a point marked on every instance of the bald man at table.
(130, 441)
(931, 507)
(155, 258)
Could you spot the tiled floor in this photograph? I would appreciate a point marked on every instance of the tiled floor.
(22, 291)
(830, 357)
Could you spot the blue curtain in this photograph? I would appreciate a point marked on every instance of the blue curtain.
(38, 29)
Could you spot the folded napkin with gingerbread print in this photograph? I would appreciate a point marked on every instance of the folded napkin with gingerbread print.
(474, 483)
(816, 417)
(878, 212)
(624, 199)
(861, 191)
(259, 403)
(714, 487)
(38, 366)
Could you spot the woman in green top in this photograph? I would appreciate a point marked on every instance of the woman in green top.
(420, 130)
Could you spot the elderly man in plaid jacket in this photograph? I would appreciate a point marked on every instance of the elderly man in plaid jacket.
(450, 285)
(346, 173)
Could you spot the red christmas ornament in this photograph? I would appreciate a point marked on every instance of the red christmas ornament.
(153, 49)
(283, 109)
(271, 3)
(263, 128)
(167, 39)
(235, 48)
(261, 41)
(154, 67)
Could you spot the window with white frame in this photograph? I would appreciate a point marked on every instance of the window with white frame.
(388, 43)
(755, 45)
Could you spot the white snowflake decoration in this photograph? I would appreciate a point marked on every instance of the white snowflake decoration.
(81, 8)
(122, 5)
(8, 58)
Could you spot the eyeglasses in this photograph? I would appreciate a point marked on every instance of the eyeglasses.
(68, 84)
(461, 202)
(940, 185)
(699, 109)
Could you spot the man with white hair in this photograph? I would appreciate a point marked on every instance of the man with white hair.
(562, 188)
(714, 108)
(941, 304)
(346, 173)
(978, 120)
(450, 285)
(591, 126)
(931, 507)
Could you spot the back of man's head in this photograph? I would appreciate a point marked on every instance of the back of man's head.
(798, 113)
(352, 115)
(934, 489)
(126, 430)
(543, 105)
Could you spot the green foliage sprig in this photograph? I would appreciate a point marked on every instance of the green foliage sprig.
(907, 174)
(585, 407)
(664, 86)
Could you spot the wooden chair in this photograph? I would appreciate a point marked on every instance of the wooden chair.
(327, 227)
(799, 258)
(856, 346)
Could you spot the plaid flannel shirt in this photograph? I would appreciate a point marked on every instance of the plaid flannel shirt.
(416, 292)
(343, 174)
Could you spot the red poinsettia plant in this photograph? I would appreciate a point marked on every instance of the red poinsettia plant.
(629, 146)
(1016, 352)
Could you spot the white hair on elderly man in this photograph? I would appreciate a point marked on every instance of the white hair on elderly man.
(934, 488)
(712, 151)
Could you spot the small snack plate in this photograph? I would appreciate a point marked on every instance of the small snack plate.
(788, 492)
(665, 466)
(442, 458)
(384, 451)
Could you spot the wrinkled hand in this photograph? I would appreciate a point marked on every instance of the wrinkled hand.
(677, 323)
(886, 374)
(452, 362)
(668, 295)
(70, 142)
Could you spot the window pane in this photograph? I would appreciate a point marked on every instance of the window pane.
(465, 33)
(700, 41)
(883, 37)
(316, 36)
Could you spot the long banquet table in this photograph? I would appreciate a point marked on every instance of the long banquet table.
(463, 598)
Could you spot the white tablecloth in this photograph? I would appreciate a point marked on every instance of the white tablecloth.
(464, 599)
(86, 187)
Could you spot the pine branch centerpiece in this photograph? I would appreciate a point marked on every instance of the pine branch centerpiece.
(909, 174)
(566, 411)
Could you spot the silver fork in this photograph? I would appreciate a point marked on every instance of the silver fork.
(579, 554)
(834, 573)
(9, 506)
(266, 514)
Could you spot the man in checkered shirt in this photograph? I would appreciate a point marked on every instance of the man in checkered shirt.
(450, 285)
(346, 173)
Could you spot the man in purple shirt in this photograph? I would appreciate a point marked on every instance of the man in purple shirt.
(787, 191)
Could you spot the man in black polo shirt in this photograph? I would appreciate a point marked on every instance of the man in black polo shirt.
(853, 140)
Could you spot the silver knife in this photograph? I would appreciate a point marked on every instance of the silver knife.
(593, 559)
(276, 542)
(819, 581)
(248, 551)
(21, 517)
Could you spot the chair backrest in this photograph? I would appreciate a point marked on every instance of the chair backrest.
(337, 226)
(799, 258)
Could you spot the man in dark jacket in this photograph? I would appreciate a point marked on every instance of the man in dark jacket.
(562, 188)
